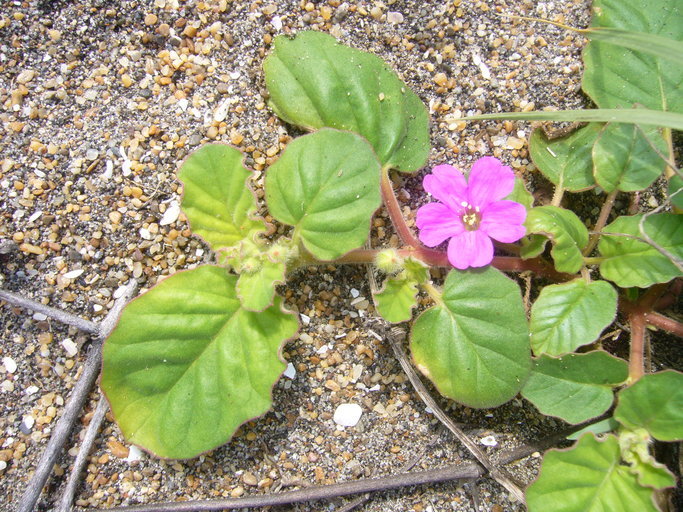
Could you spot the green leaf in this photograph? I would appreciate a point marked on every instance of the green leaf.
(521, 195)
(618, 77)
(624, 158)
(652, 474)
(395, 302)
(567, 161)
(474, 345)
(565, 230)
(326, 185)
(652, 44)
(641, 116)
(568, 315)
(314, 81)
(675, 191)
(216, 199)
(187, 365)
(575, 387)
(629, 262)
(635, 451)
(588, 478)
(256, 289)
(655, 403)
(532, 246)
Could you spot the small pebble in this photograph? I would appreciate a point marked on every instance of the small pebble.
(70, 347)
(489, 441)
(347, 415)
(9, 364)
(134, 454)
(74, 273)
(290, 372)
(394, 17)
(171, 214)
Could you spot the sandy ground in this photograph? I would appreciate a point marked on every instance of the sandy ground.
(101, 101)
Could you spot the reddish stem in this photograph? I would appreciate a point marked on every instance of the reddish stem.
(435, 258)
(636, 357)
(394, 209)
(664, 322)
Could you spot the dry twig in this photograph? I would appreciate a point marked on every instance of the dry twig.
(74, 405)
(327, 492)
(82, 458)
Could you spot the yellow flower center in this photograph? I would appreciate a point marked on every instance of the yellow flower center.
(471, 217)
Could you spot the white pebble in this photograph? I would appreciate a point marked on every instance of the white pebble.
(305, 319)
(290, 372)
(73, 274)
(10, 364)
(171, 214)
(134, 454)
(109, 170)
(28, 421)
(489, 441)
(276, 22)
(35, 216)
(70, 347)
(485, 72)
(354, 293)
(118, 293)
(145, 234)
(39, 317)
(3, 465)
(394, 17)
(31, 390)
(347, 415)
(221, 112)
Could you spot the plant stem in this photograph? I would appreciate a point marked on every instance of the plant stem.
(664, 322)
(593, 260)
(636, 356)
(601, 222)
(394, 209)
(432, 291)
(435, 258)
(557, 195)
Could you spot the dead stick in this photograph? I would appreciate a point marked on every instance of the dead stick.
(326, 492)
(74, 405)
(54, 313)
(499, 475)
(395, 337)
(82, 458)
(360, 500)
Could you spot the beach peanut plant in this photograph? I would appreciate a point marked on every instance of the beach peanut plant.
(197, 355)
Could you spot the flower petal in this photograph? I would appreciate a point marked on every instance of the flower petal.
(436, 223)
(470, 249)
(448, 185)
(503, 221)
(489, 181)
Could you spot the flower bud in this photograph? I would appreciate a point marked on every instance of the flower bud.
(389, 261)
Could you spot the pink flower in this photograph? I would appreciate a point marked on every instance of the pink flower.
(470, 214)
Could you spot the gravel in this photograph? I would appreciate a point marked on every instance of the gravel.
(101, 101)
